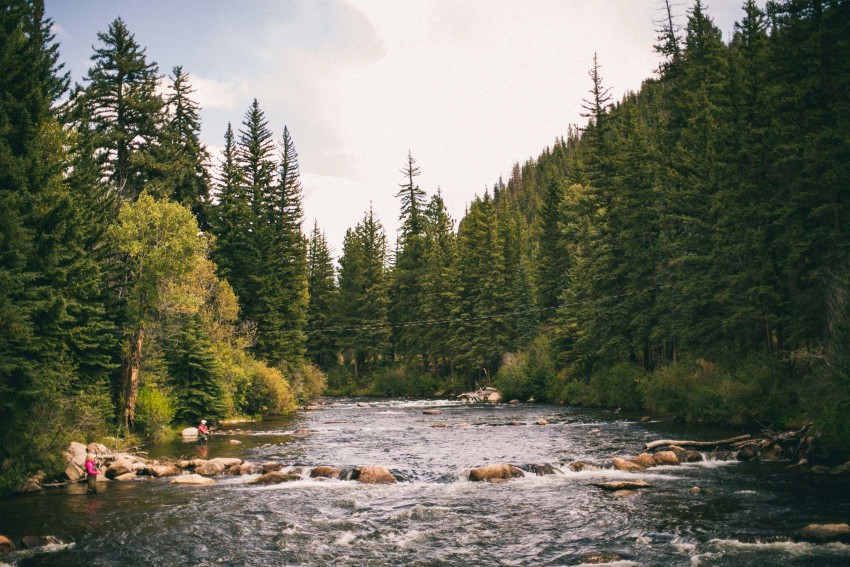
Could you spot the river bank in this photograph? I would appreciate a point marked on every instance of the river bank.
(433, 513)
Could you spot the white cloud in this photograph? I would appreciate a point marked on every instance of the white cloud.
(223, 95)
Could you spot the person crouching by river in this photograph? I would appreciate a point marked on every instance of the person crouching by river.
(91, 473)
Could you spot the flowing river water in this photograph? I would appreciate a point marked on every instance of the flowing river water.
(747, 513)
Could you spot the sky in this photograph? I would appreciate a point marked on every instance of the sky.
(468, 87)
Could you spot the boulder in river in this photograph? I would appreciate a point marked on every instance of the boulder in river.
(622, 464)
(74, 473)
(666, 458)
(489, 472)
(270, 466)
(748, 452)
(432, 412)
(227, 461)
(541, 421)
(210, 468)
(160, 471)
(645, 460)
(125, 477)
(440, 424)
(827, 532)
(120, 466)
(578, 466)
(33, 483)
(34, 542)
(6, 545)
(192, 479)
(98, 449)
(541, 469)
(622, 485)
(374, 475)
(189, 432)
(275, 477)
(599, 557)
(323, 471)
(841, 469)
(76, 454)
(514, 402)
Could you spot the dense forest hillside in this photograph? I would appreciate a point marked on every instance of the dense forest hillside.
(686, 250)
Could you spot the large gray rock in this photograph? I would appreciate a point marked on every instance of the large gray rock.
(98, 449)
(74, 473)
(275, 477)
(227, 461)
(271, 466)
(76, 454)
(578, 466)
(827, 532)
(501, 471)
(189, 432)
(192, 479)
(120, 466)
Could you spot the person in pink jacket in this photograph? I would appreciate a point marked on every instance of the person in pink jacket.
(91, 473)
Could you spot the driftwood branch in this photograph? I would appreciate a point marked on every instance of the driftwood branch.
(701, 444)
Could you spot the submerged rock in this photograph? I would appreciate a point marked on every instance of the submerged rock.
(827, 532)
(541, 421)
(748, 452)
(599, 557)
(501, 471)
(432, 412)
(541, 469)
(34, 542)
(578, 466)
(210, 468)
(192, 479)
(622, 485)
(275, 477)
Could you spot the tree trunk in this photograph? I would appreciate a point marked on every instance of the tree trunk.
(701, 444)
(131, 378)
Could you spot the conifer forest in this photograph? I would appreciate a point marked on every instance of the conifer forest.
(685, 251)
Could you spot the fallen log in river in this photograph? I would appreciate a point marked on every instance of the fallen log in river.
(699, 444)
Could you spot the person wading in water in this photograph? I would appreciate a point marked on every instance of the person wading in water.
(91, 474)
(203, 431)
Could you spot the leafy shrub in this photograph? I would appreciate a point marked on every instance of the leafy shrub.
(269, 393)
(306, 380)
(529, 374)
(616, 386)
(154, 412)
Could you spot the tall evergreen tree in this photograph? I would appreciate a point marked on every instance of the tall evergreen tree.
(126, 111)
(180, 172)
(321, 286)
(194, 374)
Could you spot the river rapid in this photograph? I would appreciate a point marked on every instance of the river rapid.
(747, 513)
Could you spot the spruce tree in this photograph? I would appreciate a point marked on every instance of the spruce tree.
(321, 286)
(194, 374)
(126, 111)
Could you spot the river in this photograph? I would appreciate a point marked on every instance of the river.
(747, 513)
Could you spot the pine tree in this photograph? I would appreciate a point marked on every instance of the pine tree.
(194, 374)
(126, 111)
(181, 158)
(321, 286)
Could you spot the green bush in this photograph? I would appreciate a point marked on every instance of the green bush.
(154, 412)
(269, 393)
(530, 373)
(616, 386)
(306, 380)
